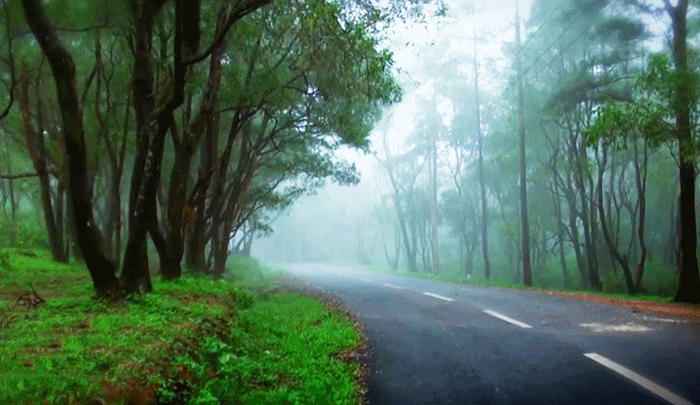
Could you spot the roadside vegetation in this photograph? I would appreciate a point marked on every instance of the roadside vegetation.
(195, 341)
(660, 283)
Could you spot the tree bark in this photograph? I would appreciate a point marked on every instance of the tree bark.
(480, 140)
(689, 278)
(37, 153)
(524, 220)
(135, 275)
(622, 260)
(63, 68)
(177, 204)
(641, 183)
(434, 243)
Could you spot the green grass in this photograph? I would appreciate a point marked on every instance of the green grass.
(194, 341)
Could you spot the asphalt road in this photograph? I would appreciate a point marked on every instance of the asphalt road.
(443, 343)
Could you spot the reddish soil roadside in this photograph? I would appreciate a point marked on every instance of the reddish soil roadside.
(686, 311)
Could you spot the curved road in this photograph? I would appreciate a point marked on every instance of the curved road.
(443, 343)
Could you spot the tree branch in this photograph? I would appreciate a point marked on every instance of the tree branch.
(244, 8)
(11, 63)
(17, 176)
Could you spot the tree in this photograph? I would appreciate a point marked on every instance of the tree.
(524, 220)
(41, 160)
(101, 268)
(134, 276)
(480, 138)
(684, 97)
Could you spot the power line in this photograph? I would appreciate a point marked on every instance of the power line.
(541, 55)
(583, 32)
(534, 34)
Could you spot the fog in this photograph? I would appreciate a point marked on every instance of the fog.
(575, 59)
(331, 225)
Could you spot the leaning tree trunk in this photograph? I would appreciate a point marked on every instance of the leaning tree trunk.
(63, 68)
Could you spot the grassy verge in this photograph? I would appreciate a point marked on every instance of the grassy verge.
(194, 341)
(503, 284)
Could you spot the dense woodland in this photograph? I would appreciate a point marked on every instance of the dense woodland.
(190, 125)
(183, 123)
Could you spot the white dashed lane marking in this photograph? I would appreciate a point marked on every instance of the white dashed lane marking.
(628, 327)
(366, 280)
(668, 320)
(440, 297)
(507, 319)
(395, 287)
(642, 381)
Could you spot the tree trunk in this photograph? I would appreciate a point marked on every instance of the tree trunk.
(434, 243)
(480, 139)
(135, 274)
(63, 68)
(37, 152)
(641, 182)
(524, 220)
(560, 236)
(580, 162)
(170, 267)
(689, 278)
(623, 261)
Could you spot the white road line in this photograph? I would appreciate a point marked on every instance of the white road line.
(644, 382)
(396, 287)
(507, 319)
(440, 297)
(669, 320)
(367, 280)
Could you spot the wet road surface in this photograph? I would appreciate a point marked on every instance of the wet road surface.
(443, 343)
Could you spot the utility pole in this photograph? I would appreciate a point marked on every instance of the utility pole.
(525, 226)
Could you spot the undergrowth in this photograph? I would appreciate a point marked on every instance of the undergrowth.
(193, 341)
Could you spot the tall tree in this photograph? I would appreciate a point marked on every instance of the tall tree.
(524, 220)
(480, 139)
(101, 268)
(689, 278)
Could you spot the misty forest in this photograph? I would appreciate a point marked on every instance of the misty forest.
(171, 170)
(557, 151)
(566, 159)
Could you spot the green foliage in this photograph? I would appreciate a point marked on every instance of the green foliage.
(664, 81)
(31, 235)
(650, 114)
(658, 286)
(197, 341)
(245, 269)
(660, 279)
(5, 260)
(283, 350)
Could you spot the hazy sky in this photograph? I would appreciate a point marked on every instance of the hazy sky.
(419, 50)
